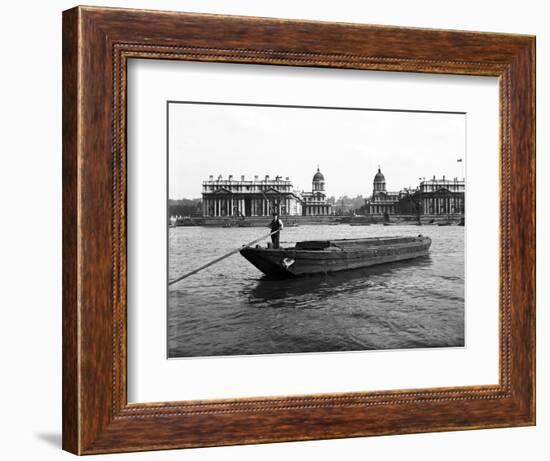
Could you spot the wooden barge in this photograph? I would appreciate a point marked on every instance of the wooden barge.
(323, 256)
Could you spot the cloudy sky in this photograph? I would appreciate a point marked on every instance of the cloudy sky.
(348, 145)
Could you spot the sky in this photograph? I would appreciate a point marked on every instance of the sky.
(347, 145)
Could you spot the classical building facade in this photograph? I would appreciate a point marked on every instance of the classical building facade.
(381, 201)
(431, 197)
(315, 203)
(258, 197)
(440, 196)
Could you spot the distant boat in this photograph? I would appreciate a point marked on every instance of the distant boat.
(446, 223)
(322, 256)
(359, 224)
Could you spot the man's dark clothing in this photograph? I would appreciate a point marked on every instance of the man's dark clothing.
(276, 224)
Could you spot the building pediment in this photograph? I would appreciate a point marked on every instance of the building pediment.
(222, 191)
(272, 191)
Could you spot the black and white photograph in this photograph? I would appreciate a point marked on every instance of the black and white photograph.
(301, 229)
(275, 230)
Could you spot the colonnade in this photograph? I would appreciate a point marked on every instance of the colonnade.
(442, 205)
(430, 205)
(381, 209)
(316, 210)
(237, 206)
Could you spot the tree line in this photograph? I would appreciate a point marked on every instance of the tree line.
(184, 207)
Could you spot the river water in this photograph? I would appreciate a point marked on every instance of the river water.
(229, 309)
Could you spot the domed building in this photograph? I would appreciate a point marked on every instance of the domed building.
(431, 197)
(379, 183)
(381, 201)
(315, 203)
(318, 183)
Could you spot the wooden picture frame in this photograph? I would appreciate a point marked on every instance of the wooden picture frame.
(97, 43)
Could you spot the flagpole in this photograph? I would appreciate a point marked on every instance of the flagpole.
(461, 161)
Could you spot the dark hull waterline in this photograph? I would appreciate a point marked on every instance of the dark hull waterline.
(317, 257)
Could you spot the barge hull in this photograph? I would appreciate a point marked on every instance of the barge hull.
(285, 263)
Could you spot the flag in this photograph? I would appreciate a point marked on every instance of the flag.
(459, 160)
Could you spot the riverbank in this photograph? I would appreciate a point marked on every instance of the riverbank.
(290, 221)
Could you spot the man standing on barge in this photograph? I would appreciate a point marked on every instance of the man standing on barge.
(276, 225)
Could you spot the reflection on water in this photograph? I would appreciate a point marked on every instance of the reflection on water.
(268, 291)
(231, 309)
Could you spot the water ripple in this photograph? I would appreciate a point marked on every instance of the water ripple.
(230, 309)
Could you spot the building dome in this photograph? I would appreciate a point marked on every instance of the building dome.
(379, 177)
(318, 176)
